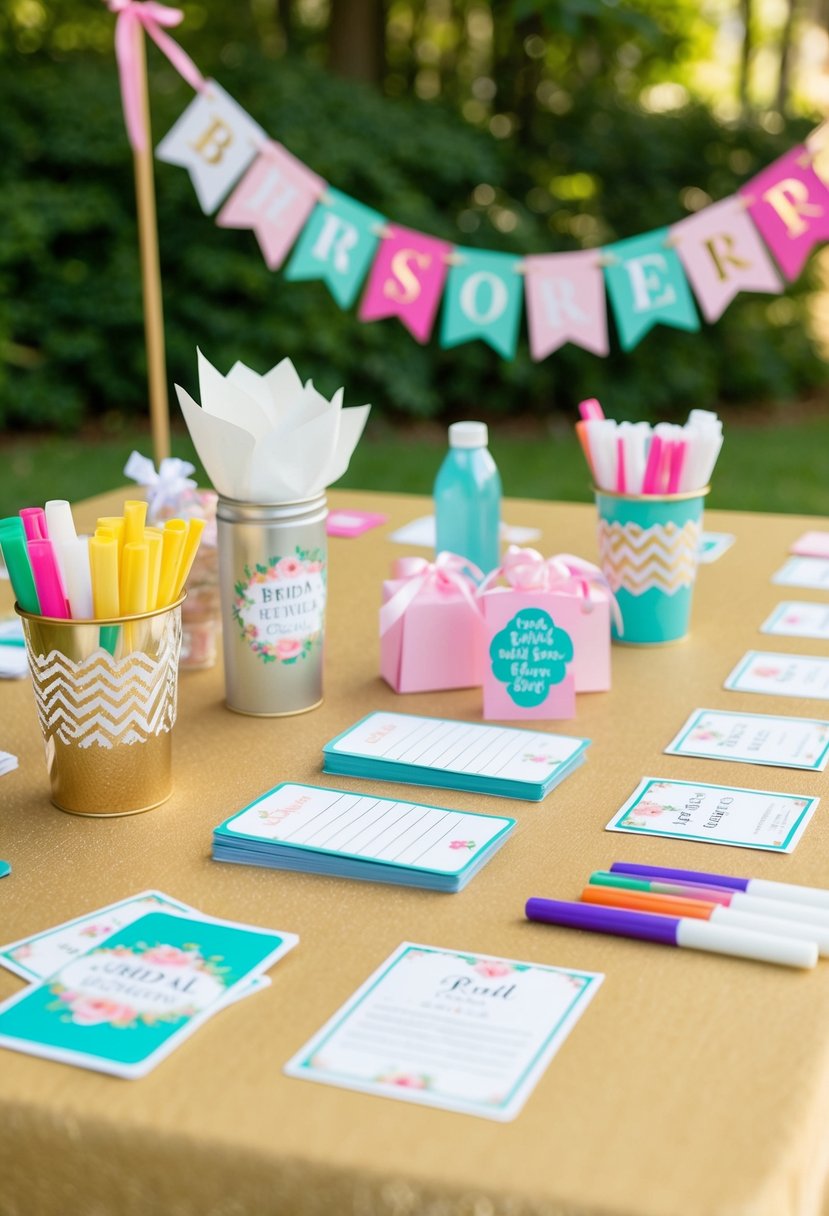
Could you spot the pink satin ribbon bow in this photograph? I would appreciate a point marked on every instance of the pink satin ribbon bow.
(133, 17)
(448, 573)
(527, 570)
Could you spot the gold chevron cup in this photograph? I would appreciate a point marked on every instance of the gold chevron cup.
(649, 551)
(106, 703)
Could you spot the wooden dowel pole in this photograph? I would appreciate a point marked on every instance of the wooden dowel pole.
(151, 272)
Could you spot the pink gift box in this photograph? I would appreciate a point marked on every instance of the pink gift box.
(438, 641)
(573, 593)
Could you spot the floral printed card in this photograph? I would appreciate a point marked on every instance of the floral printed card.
(715, 814)
(324, 831)
(754, 739)
(127, 1002)
(466, 1032)
(799, 619)
(781, 675)
(42, 954)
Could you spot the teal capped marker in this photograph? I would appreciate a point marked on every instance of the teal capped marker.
(16, 557)
(5, 869)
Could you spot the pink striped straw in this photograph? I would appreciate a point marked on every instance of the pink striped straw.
(650, 482)
(621, 479)
(34, 523)
(680, 449)
(47, 578)
(590, 409)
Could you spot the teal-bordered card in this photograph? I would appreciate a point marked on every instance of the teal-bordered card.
(715, 814)
(354, 835)
(716, 734)
(127, 1002)
(466, 1032)
(798, 619)
(42, 954)
(483, 759)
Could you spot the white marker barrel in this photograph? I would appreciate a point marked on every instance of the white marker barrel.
(779, 907)
(789, 891)
(744, 943)
(773, 924)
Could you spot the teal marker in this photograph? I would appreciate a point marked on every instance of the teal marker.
(16, 557)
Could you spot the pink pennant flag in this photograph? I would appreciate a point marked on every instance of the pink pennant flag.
(566, 302)
(723, 255)
(406, 281)
(790, 205)
(274, 198)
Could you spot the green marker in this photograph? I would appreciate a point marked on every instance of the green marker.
(16, 556)
(604, 878)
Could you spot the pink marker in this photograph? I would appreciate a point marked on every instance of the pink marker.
(621, 479)
(590, 409)
(650, 482)
(47, 578)
(34, 523)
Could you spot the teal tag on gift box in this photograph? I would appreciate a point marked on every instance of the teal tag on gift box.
(530, 656)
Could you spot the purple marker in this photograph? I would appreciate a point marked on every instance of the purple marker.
(787, 891)
(675, 931)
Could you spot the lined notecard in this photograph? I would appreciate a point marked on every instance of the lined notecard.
(461, 755)
(305, 827)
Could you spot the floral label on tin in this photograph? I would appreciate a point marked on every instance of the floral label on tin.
(279, 606)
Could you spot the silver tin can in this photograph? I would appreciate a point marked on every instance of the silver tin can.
(272, 581)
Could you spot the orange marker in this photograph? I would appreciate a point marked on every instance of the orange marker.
(701, 909)
(646, 901)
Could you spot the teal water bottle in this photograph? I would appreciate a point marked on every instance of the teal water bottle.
(468, 497)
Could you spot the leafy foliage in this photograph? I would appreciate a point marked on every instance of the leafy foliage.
(71, 331)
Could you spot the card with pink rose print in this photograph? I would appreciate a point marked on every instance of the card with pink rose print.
(448, 1028)
(781, 675)
(349, 835)
(799, 619)
(754, 739)
(715, 814)
(129, 1000)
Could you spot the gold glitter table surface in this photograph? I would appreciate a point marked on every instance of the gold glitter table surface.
(693, 1086)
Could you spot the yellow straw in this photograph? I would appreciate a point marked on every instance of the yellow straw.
(116, 525)
(172, 544)
(153, 538)
(195, 527)
(134, 579)
(103, 562)
(135, 516)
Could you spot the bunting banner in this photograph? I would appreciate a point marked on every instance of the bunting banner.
(647, 286)
(566, 302)
(743, 243)
(483, 300)
(723, 255)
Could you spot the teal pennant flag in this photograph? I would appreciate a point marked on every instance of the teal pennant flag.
(483, 300)
(647, 287)
(337, 246)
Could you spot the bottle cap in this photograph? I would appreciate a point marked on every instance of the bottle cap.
(468, 435)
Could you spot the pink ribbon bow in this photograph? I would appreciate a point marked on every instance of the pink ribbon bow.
(133, 17)
(447, 573)
(527, 570)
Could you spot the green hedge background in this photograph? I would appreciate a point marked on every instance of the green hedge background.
(71, 336)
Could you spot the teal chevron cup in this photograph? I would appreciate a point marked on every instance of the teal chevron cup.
(106, 704)
(649, 551)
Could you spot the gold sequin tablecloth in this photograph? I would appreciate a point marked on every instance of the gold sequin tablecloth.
(693, 1086)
